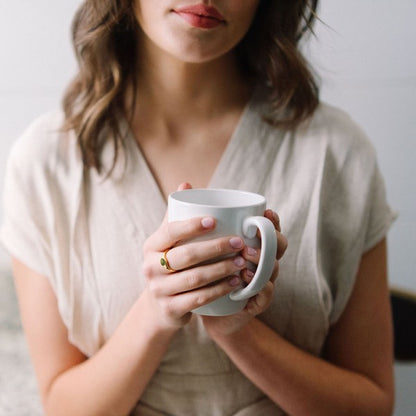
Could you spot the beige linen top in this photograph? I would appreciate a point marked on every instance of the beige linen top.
(85, 234)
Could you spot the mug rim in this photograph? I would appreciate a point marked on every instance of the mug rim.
(187, 197)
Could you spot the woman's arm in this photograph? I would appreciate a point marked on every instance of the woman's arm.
(357, 377)
(112, 380)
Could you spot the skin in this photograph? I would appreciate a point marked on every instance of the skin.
(171, 34)
(186, 72)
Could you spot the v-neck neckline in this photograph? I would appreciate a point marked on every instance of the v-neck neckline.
(138, 194)
(136, 152)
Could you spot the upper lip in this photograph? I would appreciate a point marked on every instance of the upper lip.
(201, 10)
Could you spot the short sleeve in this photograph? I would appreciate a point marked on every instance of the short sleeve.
(355, 214)
(370, 219)
(380, 214)
(24, 230)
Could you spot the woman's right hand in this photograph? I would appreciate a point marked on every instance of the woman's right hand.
(174, 294)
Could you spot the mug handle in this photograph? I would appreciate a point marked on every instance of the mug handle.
(267, 255)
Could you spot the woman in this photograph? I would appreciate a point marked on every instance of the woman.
(212, 93)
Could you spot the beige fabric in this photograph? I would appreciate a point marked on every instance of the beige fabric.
(85, 234)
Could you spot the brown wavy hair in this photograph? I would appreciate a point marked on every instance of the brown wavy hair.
(104, 35)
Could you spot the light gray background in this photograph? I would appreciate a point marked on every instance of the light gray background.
(364, 53)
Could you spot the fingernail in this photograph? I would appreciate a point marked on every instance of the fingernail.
(234, 281)
(239, 261)
(250, 273)
(236, 242)
(251, 251)
(207, 222)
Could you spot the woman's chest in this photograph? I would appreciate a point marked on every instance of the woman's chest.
(118, 225)
(192, 161)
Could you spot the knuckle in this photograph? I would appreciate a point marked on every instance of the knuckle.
(167, 307)
(284, 243)
(193, 280)
(169, 230)
(268, 298)
(202, 299)
(224, 268)
(154, 288)
(212, 293)
(178, 230)
(256, 256)
(220, 290)
(194, 225)
(275, 272)
(218, 247)
(276, 268)
(147, 270)
(187, 256)
(269, 289)
(276, 218)
(223, 289)
(189, 226)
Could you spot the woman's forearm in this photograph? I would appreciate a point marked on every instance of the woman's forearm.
(298, 382)
(112, 381)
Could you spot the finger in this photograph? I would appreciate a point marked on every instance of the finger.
(282, 242)
(201, 276)
(170, 233)
(274, 218)
(248, 274)
(181, 187)
(259, 303)
(190, 254)
(188, 301)
(252, 254)
(184, 185)
(275, 272)
(282, 245)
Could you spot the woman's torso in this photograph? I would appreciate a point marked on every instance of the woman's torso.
(95, 228)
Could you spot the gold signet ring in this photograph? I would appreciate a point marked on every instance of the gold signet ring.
(164, 262)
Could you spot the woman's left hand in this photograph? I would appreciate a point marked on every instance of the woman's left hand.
(226, 325)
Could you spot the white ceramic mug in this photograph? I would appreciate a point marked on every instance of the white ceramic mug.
(236, 213)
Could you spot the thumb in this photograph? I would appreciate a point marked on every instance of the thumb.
(181, 187)
(184, 185)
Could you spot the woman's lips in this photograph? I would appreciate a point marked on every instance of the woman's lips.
(199, 15)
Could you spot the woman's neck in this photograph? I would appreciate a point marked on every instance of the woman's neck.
(172, 90)
(185, 109)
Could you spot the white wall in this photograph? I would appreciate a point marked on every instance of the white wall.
(36, 62)
(365, 56)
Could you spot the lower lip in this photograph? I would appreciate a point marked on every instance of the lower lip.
(202, 22)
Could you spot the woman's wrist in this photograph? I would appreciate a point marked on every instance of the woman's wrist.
(155, 327)
(236, 336)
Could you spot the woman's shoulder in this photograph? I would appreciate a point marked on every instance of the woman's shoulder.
(44, 144)
(339, 130)
(328, 127)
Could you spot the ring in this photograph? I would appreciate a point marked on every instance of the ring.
(164, 261)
